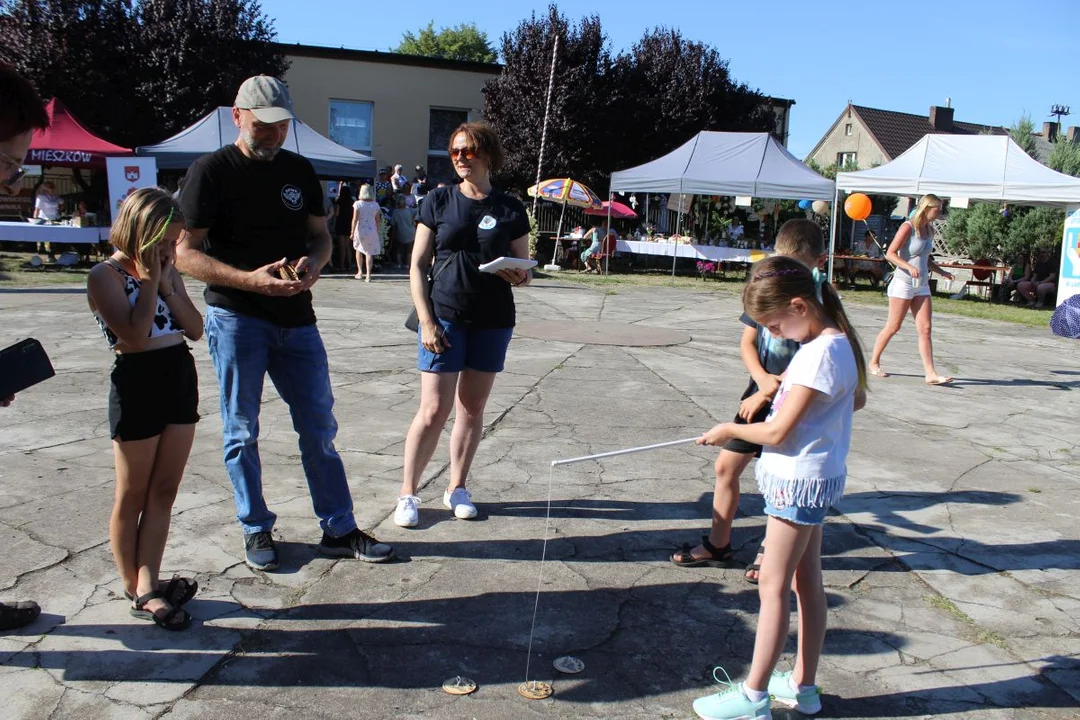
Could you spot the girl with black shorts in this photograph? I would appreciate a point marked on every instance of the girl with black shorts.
(140, 303)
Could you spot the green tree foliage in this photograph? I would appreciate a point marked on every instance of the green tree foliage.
(1065, 157)
(979, 231)
(137, 72)
(463, 42)
(1034, 229)
(608, 112)
(1022, 133)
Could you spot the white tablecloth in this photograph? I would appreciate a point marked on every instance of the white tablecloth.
(698, 252)
(28, 232)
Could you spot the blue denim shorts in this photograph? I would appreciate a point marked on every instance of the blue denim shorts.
(480, 349)
(798, 515)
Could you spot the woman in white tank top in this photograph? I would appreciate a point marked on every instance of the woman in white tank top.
(909, 288)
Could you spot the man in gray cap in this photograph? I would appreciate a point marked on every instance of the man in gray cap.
(256, 234)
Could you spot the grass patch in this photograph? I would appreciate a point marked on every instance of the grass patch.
(970, 306)
(975, 633)
(15, 271)
(1034, 490)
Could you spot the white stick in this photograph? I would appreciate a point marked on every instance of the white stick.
(613, 453)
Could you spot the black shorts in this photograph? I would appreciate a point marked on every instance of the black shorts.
(150, 390)
(741, 446)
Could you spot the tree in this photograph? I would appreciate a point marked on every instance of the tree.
(161, 63)
(1065, 157)
(979, 231)
(608, 113)
(463, 42)
(1023, 134)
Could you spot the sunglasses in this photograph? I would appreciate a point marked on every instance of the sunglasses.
(468, 152)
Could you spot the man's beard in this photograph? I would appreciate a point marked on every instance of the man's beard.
(261, 152)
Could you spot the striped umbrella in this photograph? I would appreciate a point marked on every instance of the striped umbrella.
(565, 191)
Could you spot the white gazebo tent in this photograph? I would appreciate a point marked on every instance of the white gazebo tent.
(729, 164)
(976, 167)
(216, 130)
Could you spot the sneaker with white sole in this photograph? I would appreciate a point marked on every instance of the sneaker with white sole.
(460, 501)
(407, 513)
(784, 691)
(731, 703)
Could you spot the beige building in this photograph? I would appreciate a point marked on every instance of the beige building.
(396, 108)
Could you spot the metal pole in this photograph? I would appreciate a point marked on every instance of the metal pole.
(613, 453)
(678, 231)
(832, 229)
(603, 243)
(543, 133)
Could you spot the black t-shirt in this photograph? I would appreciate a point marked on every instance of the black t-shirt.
(483, 231)
(256, 213)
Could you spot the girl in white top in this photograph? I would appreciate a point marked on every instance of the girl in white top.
(367, 218)
(909, 288)
(801, 473)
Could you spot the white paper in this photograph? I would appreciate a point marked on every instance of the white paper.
(507, 263)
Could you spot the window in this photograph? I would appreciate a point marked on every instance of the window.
(846, 159)
(442, 122)
(847, 129)
(350, 124)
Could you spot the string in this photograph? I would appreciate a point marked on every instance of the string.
(540, 579)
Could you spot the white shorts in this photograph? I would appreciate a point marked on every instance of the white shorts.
(900, 287)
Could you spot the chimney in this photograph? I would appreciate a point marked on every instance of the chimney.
(1050, 131)
(1074, 134)
(941, 118)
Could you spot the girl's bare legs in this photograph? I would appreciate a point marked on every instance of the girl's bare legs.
(473, 390)
(787, 542)
(813, 611)
(173, 447)
(134, 464)
(369, 260)
(359, 263)
(437, 392)
(922, 309)
(898, 307)
(729, 468)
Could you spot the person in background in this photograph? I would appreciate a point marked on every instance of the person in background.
(736, 231)
(1019, 271)
(383, 189)
(1043, 280)
(21, 113)
(398, 179)
(47, 207)
(421, 186)
(343, 211)
(403, 222)
(366, 241)
(875, 270)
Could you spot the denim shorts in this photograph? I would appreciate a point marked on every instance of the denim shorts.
(479, 349)
(798, 515)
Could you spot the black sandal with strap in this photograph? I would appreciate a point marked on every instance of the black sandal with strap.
(178, 591)
(718, 557)
(755, 566)
(162, 621)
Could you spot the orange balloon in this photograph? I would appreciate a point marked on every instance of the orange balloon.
(857, 206)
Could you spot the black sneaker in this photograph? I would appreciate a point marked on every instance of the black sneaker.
(259, 551)
(19, 614)
(356, 544)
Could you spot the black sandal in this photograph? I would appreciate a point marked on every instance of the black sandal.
(718, 557)
(755, 566)
(178, 591)
(162, 621)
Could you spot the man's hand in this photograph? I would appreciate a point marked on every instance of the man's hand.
(265, 281)
(308, 271)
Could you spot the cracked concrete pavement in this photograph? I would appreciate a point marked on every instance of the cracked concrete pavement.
(951, 564)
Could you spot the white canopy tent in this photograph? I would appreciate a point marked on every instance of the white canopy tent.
(729, 164)
(977, 167)
(216, 130)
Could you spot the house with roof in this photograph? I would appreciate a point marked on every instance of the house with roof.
(866, 137)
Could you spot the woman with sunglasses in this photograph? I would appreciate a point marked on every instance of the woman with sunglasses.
(144, 312)
(466, 317)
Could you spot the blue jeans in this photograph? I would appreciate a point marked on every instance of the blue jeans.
(244, 349)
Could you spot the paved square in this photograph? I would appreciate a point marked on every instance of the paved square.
(951, 565)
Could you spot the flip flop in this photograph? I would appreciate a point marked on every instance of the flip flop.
(940, 380)
(876, 371)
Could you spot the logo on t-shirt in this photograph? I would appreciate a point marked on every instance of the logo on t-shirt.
(292, 197)
(487, 222)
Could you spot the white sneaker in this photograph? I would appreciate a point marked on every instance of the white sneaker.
(460, 501)
(407, 513)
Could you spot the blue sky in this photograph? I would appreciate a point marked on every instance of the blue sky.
(994, 61)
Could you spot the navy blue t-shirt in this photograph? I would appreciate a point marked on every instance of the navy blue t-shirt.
(483, 231)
